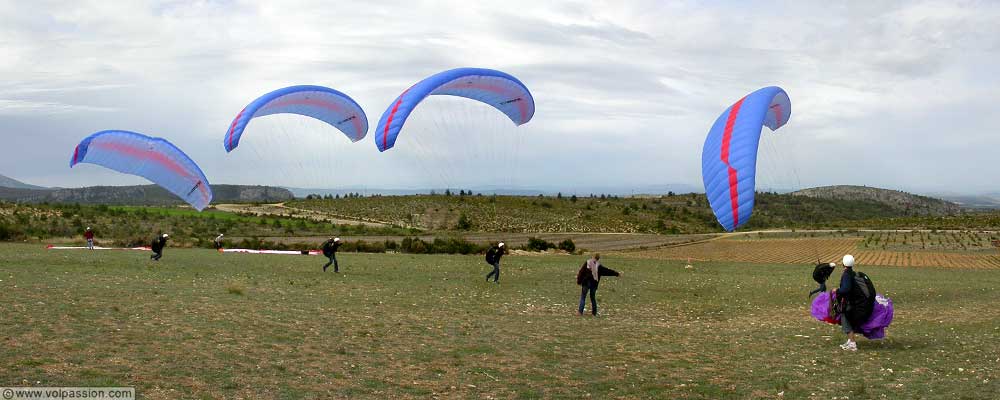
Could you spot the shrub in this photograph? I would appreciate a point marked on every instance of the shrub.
(8, 232)
(536, 244)
(463, 223)
(567, 245)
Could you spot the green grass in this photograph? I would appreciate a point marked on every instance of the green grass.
(409, 326)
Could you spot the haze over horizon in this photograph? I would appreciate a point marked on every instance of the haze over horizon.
(893, 95)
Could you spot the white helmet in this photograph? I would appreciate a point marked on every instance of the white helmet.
(166, 235)
(500, 245)
(848, 260)
(336, 239)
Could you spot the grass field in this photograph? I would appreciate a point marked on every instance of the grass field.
(200, 324)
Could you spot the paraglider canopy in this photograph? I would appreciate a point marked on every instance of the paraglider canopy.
(322, 103)
(152, 158)
(729, 157)
(498, 89)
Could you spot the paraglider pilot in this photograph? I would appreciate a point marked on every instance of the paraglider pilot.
(493, 258)
(89, 235)
(330, 251)
(218, 241)
(843, 295)
(821, 274)
(588, 278)
(157, 246)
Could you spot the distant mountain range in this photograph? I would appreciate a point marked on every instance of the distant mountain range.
(16, 184)
(899, 200)
(14, 190)
(986, 200)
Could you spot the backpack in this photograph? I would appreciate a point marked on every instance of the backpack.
(864, 289)
(861, 301)
(822, 272)
(491, 255)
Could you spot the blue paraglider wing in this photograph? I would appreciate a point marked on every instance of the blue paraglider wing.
(152, 158)
(729, 157)
(318, 102)
(498, 89)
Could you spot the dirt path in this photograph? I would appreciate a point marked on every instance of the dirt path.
(283, 210)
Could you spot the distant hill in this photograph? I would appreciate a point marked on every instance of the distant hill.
(7, 182)
(147, 195)
(898, 200)
(986, 200)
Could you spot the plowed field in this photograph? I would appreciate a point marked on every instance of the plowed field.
(808, 250)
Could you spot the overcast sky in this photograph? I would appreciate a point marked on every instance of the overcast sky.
(894, 94)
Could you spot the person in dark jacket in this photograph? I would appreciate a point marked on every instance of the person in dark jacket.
(844, 295)
(821, 273)
(493, 258)
(588, 278)
(330, 251)
(157, 246)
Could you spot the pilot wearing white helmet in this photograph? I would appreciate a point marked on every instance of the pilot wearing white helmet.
(846, 286)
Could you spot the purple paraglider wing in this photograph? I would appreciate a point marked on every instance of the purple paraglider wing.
(322, 103)
(152, 158)
(821, 309)
(881, 318)
(729, 157)
(498, 89)
(874, 328)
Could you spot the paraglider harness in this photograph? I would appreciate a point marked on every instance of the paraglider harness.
(330, 248)
(821, 274)
(493, 255)
(857, 306)
(157, 244)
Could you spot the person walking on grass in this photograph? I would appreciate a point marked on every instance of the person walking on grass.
(493, 258)
(588, 278)
(218, 241)
(89, 235)
(157, 246)
(330, 251)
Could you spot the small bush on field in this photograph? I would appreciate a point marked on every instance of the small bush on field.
(463, 223)
(536, 244)
(8, 232)
(440, 246)
(234, 289)
(567, 245)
